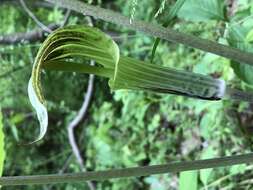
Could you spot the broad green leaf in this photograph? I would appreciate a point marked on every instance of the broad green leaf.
(17, 118)
(202, 10)
(172, 14)
(249, 37)
(188, 180)
(206, 173)
(2, 151)
(237, 38)
(238, 169)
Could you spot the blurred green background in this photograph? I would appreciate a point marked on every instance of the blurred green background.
(128, 128)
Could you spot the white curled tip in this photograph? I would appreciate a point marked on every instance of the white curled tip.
(222, 88)
(41, 111)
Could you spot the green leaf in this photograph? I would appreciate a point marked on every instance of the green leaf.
(202, 10)
(238, 169)
(17, 118)
(2, 151)
(172, 14)
(249, 37)
(237, 37)
(206, 173)
(188, 180)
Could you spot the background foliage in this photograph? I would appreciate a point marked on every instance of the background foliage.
(129, 128)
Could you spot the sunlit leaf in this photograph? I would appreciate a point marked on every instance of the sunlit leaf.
(202, 10)
(237, 38)
(206, 173)
(188, 180)
(249, 37)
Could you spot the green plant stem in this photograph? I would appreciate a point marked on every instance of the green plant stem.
(127, 172)
(157, 31)
(238, 95)
(172, 14)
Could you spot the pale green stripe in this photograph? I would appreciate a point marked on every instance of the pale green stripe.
(165, 70)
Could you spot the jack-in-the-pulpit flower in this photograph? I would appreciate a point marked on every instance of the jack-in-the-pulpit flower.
(68, 48)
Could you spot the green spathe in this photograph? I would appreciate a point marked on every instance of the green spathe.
(138, 75)
(67, 48)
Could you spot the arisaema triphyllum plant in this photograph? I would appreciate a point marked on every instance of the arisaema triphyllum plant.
(70, 48)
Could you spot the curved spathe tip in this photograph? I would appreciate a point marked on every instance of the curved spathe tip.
(40, 109)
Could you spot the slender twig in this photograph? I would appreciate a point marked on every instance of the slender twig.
(118, 37)
(35, 19)
(66, 164)
(64, 167)
(245, 182)
(127, 172)
(38, 35)
(66, 17)
(157, 31)
(13, 70)
(32, 3)
(31, 36)
(79, 117)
